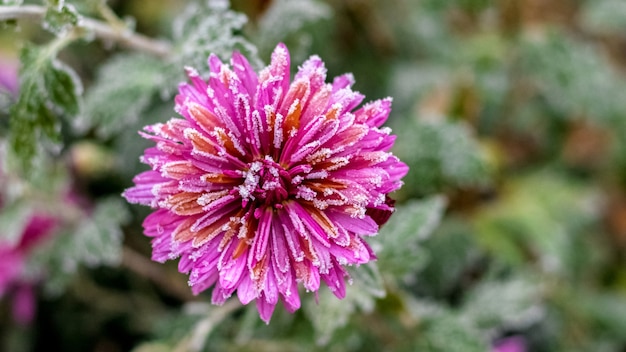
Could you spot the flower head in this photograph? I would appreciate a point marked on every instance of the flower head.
(267, 183)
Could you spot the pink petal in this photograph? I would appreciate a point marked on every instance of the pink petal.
(266, 309)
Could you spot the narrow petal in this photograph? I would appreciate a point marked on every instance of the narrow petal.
(266, 309)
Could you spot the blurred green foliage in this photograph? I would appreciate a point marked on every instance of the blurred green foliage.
(511, 222)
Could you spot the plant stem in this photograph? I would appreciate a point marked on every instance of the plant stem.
(100, 29)
(147, 268)
(110, 17)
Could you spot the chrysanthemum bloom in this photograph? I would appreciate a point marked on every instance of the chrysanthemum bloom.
(267, 183)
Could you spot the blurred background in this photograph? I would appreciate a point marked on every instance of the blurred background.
(510, 233)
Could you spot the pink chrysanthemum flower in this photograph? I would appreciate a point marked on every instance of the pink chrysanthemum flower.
(267, 183)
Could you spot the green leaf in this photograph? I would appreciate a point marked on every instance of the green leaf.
(398, 255)
(452, 251)
(124, 88)
(601, 311)
(63, 87)
(99, 238)
(604, 16)
(368, 278)
(546, 225)
(440, 155)
(48, 89)
(573, 77)
(446, 332)
(607, 310)
(96, 240)
(398, 243)
(208, 27)
(6, 100)
(287, 18)
(328, 313)
(512, 304)
(59, 17)
(176, 325)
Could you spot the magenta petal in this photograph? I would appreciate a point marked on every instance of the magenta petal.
(246, 291)
(261, 240)
(280, 65)
(266, 309)
(220, 294)
(203, 283)
(374, 113)
(312, 281)
(343, 81)
(314, 72)
(291, 298)
(245, 72)
(270, 289)
(335, 281)
(230, 274)
(364, 226)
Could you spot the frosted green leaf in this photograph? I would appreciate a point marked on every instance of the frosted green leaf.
(60, 17)
(549, 222)
(398, 244)
(439, 154)
(411, 83)
(513, 304)
(452, 250)
(445, 332)
(367, 276)
(287, 18)
(48, 90)
(6, 100)
(607, 310)
(176, 325)
(124, 88)
(208, 27)
(99, 239)
(63, 87)
(574, 77)
(604, 15)
(96, 240)
(425, 33)
(329, 313)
